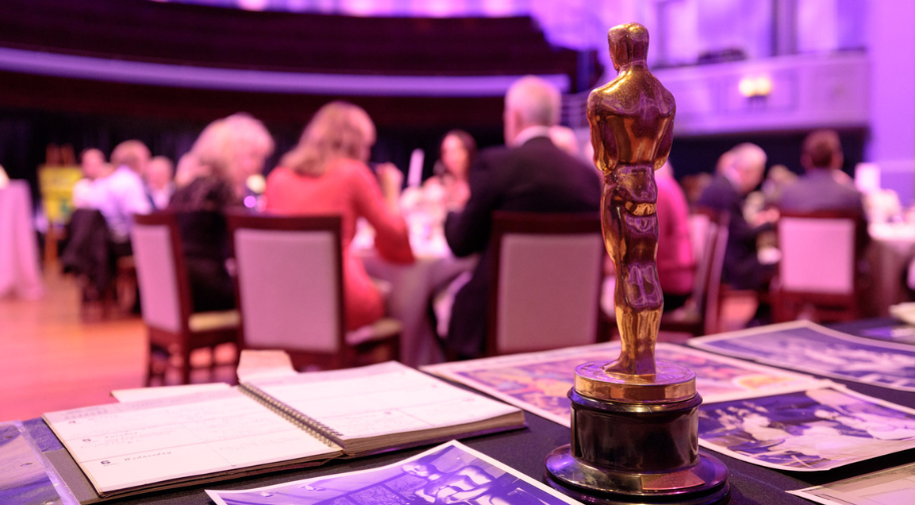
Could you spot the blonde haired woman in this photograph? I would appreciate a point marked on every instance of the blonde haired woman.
(231, 149)
(211, 178)
(326, 173)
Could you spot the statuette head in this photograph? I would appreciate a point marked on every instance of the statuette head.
(628, 44)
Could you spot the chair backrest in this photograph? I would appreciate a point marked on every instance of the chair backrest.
(715, 249)
(165, 293)
(698, 234)
(818, 252)
(289, 282)
(546, 281)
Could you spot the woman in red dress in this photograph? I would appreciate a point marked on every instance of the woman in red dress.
(326, 173)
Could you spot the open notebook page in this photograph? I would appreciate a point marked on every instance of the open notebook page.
(385, 400)
(128, 445)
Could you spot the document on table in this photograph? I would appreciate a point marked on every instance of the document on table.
(132, 445)
(449, 473)
(26, 476)
(539, 382)
(809, 347)
(152, 393)
(806, 431)
(893, 486)
(379, 406)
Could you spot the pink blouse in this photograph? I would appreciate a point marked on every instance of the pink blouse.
(676, 267)
(349, 189)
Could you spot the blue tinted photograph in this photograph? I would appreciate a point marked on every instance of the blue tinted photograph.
(451, 473)
(811, 348)
(806, 431)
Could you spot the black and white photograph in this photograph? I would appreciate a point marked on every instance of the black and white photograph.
(813, 430)
(450, 473)
(892, 486)
(808, 347)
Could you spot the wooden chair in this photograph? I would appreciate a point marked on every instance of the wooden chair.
(728, 295)
(290, 292)
(545, 292)
(106, 281)
(165, 297)
(700, 314)
(818, 268)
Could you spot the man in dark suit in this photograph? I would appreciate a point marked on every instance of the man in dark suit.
(739, 171)
(824, 187)
(820, 187)
(530, 174)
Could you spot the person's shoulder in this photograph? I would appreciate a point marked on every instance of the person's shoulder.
(124, 177)
(280, 175)
(717, 190)
(494, 159)
(792, 195)
(347, 168)
(495, 152)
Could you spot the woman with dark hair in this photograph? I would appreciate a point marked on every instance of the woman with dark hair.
(452, 171)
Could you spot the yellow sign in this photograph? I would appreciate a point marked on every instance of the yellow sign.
(56, 186)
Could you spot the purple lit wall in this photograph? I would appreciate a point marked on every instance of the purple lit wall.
(832, 63)
(892, 48)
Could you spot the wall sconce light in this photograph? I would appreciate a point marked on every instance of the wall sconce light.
(755, 86)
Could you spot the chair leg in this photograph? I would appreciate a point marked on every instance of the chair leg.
(149, 367)
(185, 365)
(212, 363)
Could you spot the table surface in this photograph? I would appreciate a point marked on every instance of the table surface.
(526, 449)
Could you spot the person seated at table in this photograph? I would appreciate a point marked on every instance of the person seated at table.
(457, 152)
(159, 185)
(132, 154)
(819, 189)
(92, 162)
(824, 187)
(777, 179)
(118, 192)
(219, 164)
(530, 174)
(676, 265)
(326, 173)
(739, 171)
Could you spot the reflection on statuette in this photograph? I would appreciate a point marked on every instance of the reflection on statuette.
(631, 121)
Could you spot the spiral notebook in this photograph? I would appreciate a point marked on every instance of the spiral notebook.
(297, 420)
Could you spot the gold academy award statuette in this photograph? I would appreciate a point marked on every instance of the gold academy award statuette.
(635, 427)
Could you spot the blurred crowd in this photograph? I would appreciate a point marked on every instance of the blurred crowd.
(542, 168)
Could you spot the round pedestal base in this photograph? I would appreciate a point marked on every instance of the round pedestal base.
(704, 483)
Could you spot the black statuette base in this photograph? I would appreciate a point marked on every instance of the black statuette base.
(636, 453)
(703, 484)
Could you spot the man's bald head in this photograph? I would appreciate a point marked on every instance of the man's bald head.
(744, 165)
(530, 101)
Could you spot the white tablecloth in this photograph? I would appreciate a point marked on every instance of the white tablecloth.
(893, 246)
(19, 272)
